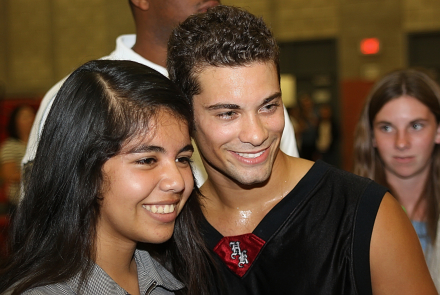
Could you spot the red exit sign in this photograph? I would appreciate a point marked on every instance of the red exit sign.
(370, 46)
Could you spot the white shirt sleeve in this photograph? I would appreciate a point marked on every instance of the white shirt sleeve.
(288, 141)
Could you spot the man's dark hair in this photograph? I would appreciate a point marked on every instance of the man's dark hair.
(225, 36)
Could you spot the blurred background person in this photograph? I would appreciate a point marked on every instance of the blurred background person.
(309, 130)
(397, 144)
(298, 123)
(327, 135)
(13, 149)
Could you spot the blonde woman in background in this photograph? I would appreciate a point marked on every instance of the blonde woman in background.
(397, 145)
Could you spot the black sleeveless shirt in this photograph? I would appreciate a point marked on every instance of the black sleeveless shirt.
(316, 240)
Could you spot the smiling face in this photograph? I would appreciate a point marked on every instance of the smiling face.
(239, 121)
(405, 133)
(147, 184)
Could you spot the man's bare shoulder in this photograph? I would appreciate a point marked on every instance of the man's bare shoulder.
(396, 258)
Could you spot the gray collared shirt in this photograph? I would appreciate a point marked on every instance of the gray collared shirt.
(153, 279)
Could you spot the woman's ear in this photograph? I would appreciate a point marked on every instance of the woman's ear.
(141, 4)
(373, 140)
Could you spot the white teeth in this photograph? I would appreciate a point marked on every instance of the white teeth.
(160, 209)
(251, 156)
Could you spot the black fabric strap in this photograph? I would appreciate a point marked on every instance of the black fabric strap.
(365, 217)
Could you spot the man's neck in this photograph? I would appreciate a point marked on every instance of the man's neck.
(234, 210)
(151, 48)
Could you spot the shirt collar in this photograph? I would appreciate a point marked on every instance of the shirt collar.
(149, 272)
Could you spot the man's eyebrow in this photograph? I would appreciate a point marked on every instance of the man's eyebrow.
(231, 106)
(220, 106)
(272, 97)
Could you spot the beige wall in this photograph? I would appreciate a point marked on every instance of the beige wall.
(349, 21)
(42, 41)
(421, 15)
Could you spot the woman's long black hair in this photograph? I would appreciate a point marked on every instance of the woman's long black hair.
(100, 106)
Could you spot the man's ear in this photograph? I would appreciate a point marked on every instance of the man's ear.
(141, 4)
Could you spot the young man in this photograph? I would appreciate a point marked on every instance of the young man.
(277, 224)
(154, 21)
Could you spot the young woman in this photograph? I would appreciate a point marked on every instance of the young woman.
(111, 175)
(397, 144)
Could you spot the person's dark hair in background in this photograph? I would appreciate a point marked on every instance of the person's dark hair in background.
(12, 128)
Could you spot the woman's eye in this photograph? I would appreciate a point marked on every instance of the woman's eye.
(146, 161)
(386, 128)
(417, 126)
(184, 160)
